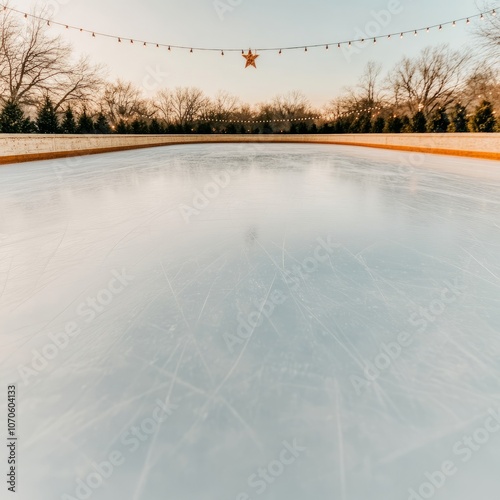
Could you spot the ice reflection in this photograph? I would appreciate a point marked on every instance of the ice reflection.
(342, 299)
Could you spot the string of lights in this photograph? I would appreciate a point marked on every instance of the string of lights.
(325, 117)
(191, 49)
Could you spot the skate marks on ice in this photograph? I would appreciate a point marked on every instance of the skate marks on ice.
(332, 300)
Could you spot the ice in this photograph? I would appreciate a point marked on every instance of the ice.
(345, 261)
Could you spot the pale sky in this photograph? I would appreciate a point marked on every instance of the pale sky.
(319, 74)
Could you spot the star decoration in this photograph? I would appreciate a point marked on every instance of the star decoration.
(250, 57)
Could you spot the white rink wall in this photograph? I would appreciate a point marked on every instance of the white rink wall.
(26, 147)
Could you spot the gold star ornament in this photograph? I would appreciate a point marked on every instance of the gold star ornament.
(250, 57)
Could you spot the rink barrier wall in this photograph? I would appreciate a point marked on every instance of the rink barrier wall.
(16, 148)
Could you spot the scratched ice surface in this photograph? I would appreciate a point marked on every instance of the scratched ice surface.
(362, 247)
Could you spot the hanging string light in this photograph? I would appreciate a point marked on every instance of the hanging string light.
(279, 50)
(374, 110)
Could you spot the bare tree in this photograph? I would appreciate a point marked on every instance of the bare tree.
(80, 87)
(488, 33)
(181, 106)
(431, 81)
(482, 84)
(291, 105)
(367, 93)
(222, 107)
(124, 101)
(34, 64)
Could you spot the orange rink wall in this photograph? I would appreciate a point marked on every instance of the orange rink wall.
(17, 148)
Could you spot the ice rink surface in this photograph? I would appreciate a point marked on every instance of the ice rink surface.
(235, 322)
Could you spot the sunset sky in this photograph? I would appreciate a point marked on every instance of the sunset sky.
(319, 74)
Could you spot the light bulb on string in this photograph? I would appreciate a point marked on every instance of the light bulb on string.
(94, 34)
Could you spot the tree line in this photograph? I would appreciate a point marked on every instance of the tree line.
(43, 89)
